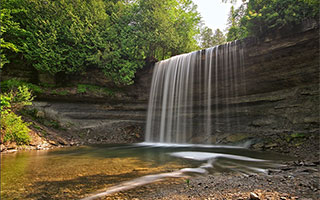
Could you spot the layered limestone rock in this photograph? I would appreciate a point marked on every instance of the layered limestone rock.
(279, 93)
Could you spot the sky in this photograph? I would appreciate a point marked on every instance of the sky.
(215, 13)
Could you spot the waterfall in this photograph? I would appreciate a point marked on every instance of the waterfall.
(194, 96)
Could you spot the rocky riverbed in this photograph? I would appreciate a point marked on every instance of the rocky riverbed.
(296, 179)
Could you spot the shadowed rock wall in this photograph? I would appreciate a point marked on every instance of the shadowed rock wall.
(282, 83)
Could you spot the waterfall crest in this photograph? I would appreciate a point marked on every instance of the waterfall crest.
(191, 94)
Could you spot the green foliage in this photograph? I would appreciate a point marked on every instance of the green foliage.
(5, 104)
(8, 30)
(37, 127)
(188, 182)
(165, 28)
(33, 114)
(268, 15)
(83, 88)
(62, 93)
(13, 128)
(235, 30)
(47, 85)
(13, 84)
(15, 99)
(63, 35)
(260, 17)
(208, 39)
(69, 36)
(295, 136)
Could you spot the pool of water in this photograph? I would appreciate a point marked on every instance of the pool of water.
(94, 171)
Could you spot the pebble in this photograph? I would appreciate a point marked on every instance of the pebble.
(254, 196)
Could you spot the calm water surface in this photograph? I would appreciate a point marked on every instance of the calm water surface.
(79, 172)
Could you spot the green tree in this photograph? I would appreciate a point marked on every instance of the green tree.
(64, 36)
(261, 17)
(117, 36)
(219, 37)
(209, 39)
(234, 29)
(9, 30)
(13, 128)
(206, 38)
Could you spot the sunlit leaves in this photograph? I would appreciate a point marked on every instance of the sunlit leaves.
(117, 36)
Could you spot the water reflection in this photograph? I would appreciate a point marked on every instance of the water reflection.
(74, 173)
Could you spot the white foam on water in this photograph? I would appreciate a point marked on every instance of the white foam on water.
(194, 170)
(188, 145)
(135, 183)
(201, 156)
(145, 180)
(207, 165)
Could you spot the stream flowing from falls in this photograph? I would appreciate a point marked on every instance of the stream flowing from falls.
(191, 96)
(95, 171)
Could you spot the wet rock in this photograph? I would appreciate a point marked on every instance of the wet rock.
(307, 170)
(12, 146)
(286, 168)
(237, 137)
(2, 147)
(52, 142)
(62, 141)
(11, 150)
(270, 146)
(258, 146)
(273, 171)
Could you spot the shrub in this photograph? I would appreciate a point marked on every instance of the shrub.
(83, 88)
(13, 84)
(16, 99)
(62, 93)
(13, 128)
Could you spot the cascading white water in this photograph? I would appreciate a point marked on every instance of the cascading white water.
(191, 95)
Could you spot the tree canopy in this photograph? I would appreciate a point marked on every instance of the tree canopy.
(118, 36)
(261, 17)
(209, 39)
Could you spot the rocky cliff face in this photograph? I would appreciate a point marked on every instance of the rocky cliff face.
(119, 118)
(278, 94)
(282, 83)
